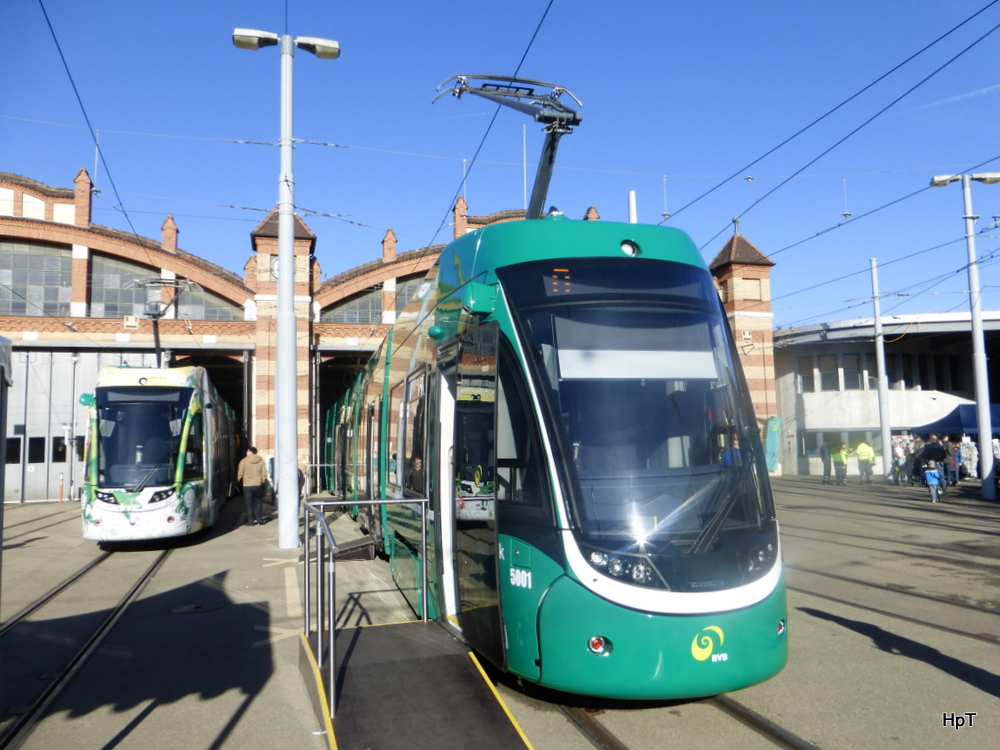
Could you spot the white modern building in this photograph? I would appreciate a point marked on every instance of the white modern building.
(827, 379)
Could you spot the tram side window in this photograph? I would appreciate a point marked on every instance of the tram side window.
(193, 458)
(397, 416)
(13, 450)
(415, 443)
(36, 450)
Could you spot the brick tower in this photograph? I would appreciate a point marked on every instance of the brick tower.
(742, 275)
(261, 275)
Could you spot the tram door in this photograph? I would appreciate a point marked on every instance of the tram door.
(473, 382)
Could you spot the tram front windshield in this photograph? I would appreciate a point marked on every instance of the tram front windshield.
(660, 454)
(139, 432)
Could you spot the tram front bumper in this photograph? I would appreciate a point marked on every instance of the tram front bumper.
(646, 656)
(107, 522)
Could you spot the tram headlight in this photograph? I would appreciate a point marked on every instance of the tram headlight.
(624, 567)
(642, 573)
(598, 559)
(106, 497)
(161, 495)
(760, 560)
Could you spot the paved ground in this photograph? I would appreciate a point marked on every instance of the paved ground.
(209, 653)
(209, 657)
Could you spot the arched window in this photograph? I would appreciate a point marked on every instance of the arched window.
(112, 295)
(405, 291)
(365, 307)
(198, 304)
(35, 278)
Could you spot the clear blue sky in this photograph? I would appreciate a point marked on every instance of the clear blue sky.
(677, 96)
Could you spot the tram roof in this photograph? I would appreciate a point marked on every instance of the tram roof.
(559, 237)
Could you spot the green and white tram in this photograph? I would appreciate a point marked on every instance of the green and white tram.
(161, 454)
(600, 512)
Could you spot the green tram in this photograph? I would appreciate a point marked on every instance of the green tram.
(568, 396)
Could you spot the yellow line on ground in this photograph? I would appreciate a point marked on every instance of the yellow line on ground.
(503, 705)
(324, 701)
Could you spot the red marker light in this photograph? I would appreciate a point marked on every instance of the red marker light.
(599, 645)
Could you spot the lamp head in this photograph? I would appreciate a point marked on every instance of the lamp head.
(988, 178)
(326, 49)
(944, 179)
(254, 39)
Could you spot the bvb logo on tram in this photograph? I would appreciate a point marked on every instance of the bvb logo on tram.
(704, 644)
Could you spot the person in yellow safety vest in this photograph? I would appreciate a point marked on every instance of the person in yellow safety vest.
(839, 459)
(866, 456)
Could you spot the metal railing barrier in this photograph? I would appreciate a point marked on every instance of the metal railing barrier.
(315, 512)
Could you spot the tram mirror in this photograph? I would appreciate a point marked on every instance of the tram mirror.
(435, 332)
(479, 299)
(87, 399)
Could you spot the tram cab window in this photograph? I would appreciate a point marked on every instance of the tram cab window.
(519, 462)
(193, 456)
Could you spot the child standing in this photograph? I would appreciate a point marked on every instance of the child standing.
(933, 478)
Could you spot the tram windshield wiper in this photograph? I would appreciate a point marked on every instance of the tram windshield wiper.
(149, 475)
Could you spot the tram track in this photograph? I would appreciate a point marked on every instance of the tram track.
(52, 593)
(763, 726)
(586, 723)
(16, 731)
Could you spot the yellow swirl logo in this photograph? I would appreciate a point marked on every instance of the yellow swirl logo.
(704, 643)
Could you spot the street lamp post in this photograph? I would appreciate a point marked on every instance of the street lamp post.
(980, 373)
(286, 373)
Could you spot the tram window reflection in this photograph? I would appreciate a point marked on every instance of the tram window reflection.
(415, 478)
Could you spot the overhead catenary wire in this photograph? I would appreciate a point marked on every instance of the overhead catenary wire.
(934, 281)
(864, 124)
(444, 220)
(341, 217)
(100, 152)
(851, 98)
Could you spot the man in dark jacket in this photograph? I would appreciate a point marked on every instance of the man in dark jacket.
(934, 451)
(252, 474)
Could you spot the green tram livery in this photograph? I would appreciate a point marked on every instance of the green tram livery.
(161, 454)
(568, 396)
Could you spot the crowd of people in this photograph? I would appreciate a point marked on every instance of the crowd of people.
(936, 463)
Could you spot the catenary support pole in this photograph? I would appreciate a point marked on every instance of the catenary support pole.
(888, 458)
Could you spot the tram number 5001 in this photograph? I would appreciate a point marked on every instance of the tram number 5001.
(520, 577)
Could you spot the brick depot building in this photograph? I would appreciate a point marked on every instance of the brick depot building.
(76, 295)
